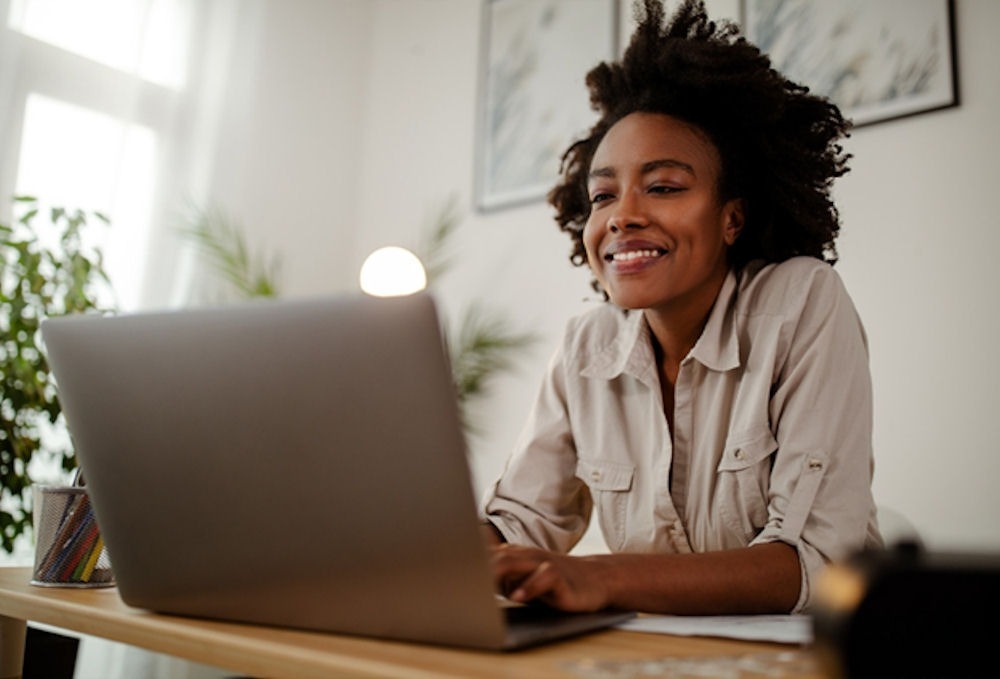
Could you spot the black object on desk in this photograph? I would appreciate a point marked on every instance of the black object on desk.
(907, 612)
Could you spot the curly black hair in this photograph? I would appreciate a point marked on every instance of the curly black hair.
(778, 144)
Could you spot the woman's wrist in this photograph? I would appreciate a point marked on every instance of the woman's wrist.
(606, 578)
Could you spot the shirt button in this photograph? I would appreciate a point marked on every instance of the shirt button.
(815, 465)
(595, 475)
(739, 454)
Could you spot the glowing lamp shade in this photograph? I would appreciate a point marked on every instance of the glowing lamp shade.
(392, 272)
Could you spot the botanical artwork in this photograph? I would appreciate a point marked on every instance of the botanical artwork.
(876, 59)
(534, 102)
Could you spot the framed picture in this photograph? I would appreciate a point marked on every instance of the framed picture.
(876, 59)
(533, 101)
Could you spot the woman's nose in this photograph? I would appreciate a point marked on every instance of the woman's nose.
(628, 213)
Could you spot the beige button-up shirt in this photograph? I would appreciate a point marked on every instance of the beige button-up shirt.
(772, 431)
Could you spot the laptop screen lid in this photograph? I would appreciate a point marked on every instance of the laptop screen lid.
(293, 463)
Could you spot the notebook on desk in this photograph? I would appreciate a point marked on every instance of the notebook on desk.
(289, 463)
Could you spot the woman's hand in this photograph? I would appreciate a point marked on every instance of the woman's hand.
(569, 583)
(763, 578)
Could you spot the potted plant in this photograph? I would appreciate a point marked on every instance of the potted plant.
(46, 269)
(482, 342)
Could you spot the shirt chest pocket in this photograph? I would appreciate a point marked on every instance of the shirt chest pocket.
(743, 481)
(609, 484)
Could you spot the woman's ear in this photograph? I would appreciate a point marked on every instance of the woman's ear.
(733, 215)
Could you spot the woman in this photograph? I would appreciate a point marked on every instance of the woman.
(716, 415)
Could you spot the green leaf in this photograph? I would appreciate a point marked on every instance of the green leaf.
(223, 244)
(433, 248)
(36, 281)
(28, 216)
(485, 346)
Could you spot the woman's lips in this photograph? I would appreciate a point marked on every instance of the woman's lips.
(631, 255)
(634, 251)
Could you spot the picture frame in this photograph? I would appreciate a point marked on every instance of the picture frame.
(877, 61)
(533, 101)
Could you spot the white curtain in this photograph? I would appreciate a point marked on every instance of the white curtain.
(114, 105)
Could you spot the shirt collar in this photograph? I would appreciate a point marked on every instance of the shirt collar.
(632, 351)
(718, 348)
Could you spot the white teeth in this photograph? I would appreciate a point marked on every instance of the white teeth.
(634, 254)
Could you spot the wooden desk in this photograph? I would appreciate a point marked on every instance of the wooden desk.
(273, 652)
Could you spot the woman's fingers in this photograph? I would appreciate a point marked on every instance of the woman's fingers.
(511, 565)
(542, 581)
(527, 574)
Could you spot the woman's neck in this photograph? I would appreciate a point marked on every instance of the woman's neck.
(677, 327)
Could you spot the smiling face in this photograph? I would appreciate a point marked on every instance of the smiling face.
(658, 232)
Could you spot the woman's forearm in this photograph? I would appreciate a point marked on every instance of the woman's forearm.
(764, 578)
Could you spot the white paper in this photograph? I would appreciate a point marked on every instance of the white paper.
(785, 629)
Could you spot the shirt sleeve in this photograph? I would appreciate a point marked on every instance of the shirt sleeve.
(538, 500)
(820, 497)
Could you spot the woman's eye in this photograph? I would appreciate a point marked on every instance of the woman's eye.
(663, 189)
(600, 197)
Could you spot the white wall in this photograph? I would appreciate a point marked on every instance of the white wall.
(920, 236)
(288, 147)
(366, 157)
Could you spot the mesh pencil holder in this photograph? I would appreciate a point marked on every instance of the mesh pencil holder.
(69, 550)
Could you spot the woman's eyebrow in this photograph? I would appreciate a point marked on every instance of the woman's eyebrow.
(646, 168)
(667, 162)
(602, 172)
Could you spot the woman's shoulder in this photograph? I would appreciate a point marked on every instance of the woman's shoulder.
(780, 287)
(792, 271)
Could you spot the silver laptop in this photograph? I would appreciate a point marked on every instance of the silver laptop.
(289, 463)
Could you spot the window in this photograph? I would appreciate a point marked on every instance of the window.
(75, 157)
(89, 97)
(145, 38)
